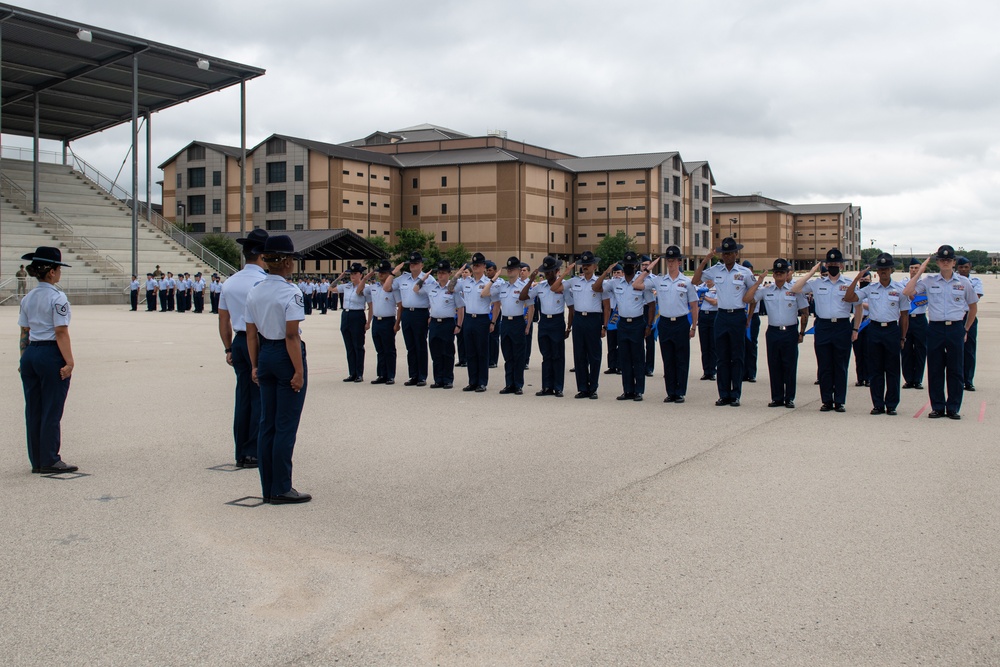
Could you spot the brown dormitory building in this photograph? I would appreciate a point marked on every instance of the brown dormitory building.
(489, 193)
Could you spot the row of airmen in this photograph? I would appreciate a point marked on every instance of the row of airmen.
(180, 294)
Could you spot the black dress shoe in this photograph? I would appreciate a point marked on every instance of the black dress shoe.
(678, 399)
(722, 401)
(859, 383)
(735, 403)
(708, 377)
(816, 382)
(518, 391)
(637, 398)
(481, 388)
(649, 374)
(35, 471)
(936, 414)
(249, 462)
(954, 415)
(506, 390)
(378, 381)
(839, 407)
(557, 393)
(970, 387)
(469, 387)
(410, 382)
(891, 412)
(775, 404)
(572, 370)
(421, 383)
(877, 411)
(359, 379)
(58, 467)
(349, 378)
(493, 365)
(909, 386)
(582, 394)
(669, 399)
(461, 364)
(390, 381)
(826, 407)
(291, 497)
(751, 380)
(610, 371)
(625, 397)
(593, 396)
(544, 392)
(447, 385)
(918, 386)
(789, 404)
(438, 385)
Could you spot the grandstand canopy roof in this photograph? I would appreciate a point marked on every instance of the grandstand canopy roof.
(83, 75)
(326, 244)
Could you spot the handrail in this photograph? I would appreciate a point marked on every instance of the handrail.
(16, 190)
(155, 219)
(3, 287)
(111, 262)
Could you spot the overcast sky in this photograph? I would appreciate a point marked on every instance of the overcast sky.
(890, 105)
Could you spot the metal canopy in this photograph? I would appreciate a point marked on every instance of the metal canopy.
(86, 86)
(314, 244)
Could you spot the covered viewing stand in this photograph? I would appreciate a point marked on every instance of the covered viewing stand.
(64, 80)
(320, 244)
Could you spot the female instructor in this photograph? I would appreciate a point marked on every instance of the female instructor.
(46, 360)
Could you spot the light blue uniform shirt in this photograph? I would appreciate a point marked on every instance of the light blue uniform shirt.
(134, 286)
(507, 294)
(977, 284)
(410, 299)
(711, 293)
(353, 300)
(630, 301)
(472, 289)
(199, 285)
(828, 296)
(233, 297)
(151, 284)
(383, 303)
(884, 303)
(273, 302)
(42, 310)
(550, 302)
(674, 296)
(580, 294)
(782, 304)
(731, 285)
(947, 300)
(442, 304)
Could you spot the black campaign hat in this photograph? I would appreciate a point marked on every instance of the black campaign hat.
(780, 265)
(729, 244)
(385, 266)
(478, 258)
(513, 263)
(631, 257)
(550, 263)
(45, 255)
(587, 257)
(416, 258)
(884, 261)
(834, 255)
(255, 240)
(444, 265)
(945, 252)
(280, 245)
(356, 268)
(673, 252)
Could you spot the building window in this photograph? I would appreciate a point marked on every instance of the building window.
(704, 239)
(385, 206)
(640, 234)
(552, 210)
(346, 201)
(552, 238)
(414, 209)
(346, 172)
(677, 163)
(275, 172)
(216, 206)
(414, 184)
(582, 236)
(276, 225)
(552, 184)
(666, 210)
(641, 181)
(216, 178)
(196, 177)
(600, 183)
(256, 204)
(275, 146)
(444, 209)
(697, 216)
(697, 192)
(677, 185)
(677, 236)
(386, 232)
(179, 180)
(385, 178)
(360, 203)
(704, 214)
(444, 181)
(299, 202)
(374, 176)
(619, 182)
(196, 153)
(275, 201)
(299, 228)
(704, 191)
(197, 227)
(581, 184)
(373, 204)
(216, 230)
(601, 209)
(256, 175)
(361, 174)
(444, 236)
(677, 210)
(196, 205)
(601, 235)
(666, 186)
(299, 172)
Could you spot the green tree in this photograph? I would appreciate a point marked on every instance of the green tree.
(868, 255)
(224, 247)
(612, 249)
(380, 243)
(414, 240)
(457, 255)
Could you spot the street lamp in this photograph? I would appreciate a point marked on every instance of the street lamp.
(732, 221)
(184, 216)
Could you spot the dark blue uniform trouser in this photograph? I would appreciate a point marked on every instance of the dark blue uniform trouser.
(352, 328)
(163, 301)
(495, 343)
(706, 337)
(476, 331)
(650, 343)
(552, 346)
(862, 364)
(915, 350)
(246, 414)
(307, 304)
(587, 350)
(514, 343)
(675, 350)
(321, 302)
(612, 338)
(280, 411)
(730, 349)
(782, 361)
(883, 363)
(413, 324)
(214, 299)
(171, 299)
(632, 354)
(441, 340)
(133, 299)
(750, 358)
(384, 339)
(199, 302)
(833, 356)
(969, 364)
(44, 398)
(150, 300)
(946, 357)
(460, 344)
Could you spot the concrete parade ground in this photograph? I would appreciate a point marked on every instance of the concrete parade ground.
(452, 528)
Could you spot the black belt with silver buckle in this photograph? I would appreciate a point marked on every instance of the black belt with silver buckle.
(732, 310)
(781, 327)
